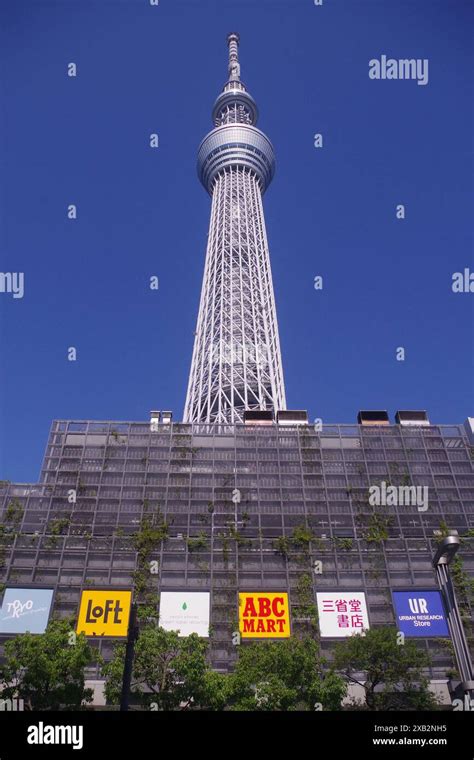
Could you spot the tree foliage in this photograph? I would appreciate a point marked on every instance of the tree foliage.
(47, 670)
(172, 673)
(283, 675)
(169, 671)
(393, 677)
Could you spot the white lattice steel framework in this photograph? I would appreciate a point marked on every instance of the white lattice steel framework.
(236, 364)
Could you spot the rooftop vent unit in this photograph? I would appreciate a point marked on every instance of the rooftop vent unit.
(166, 417)
(369, 417)
(292, 417)
(258, 417)
(154, 420)
(411, 418)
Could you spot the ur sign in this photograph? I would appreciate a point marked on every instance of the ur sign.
(420, 613)
(342, 613)
(264, 616)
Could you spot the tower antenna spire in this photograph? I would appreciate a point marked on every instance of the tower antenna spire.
(233, 41)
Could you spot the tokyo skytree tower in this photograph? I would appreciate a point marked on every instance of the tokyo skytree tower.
(236, 364)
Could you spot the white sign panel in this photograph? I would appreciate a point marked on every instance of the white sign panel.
(342, 613)
(185, 611)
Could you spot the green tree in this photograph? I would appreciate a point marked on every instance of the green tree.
(393, 674)
(283, 675)
(47, 670)
(168, 670)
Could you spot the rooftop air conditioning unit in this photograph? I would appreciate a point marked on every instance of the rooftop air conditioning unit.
(292, 417)
(258, 417)
(411, 418)
(370, 417)
(154, 420)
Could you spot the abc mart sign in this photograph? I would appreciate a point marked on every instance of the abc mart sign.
(263, 615)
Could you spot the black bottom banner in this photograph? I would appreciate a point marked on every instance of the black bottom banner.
(110, 734)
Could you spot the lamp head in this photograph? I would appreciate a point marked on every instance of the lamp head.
(446, 550)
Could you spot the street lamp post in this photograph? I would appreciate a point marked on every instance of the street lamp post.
(441, 560)
(128, 664)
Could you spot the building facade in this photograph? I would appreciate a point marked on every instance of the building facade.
(246, 508)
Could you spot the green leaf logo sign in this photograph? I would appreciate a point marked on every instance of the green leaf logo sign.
(185, 606)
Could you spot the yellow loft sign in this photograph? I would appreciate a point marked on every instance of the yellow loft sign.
(264, 616)
(104, 613)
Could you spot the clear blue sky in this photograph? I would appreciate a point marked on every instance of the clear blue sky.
(330, 212)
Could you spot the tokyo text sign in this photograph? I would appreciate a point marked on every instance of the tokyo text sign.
(25, 609)
(264, 616)
(420, 613)
(104, 613)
